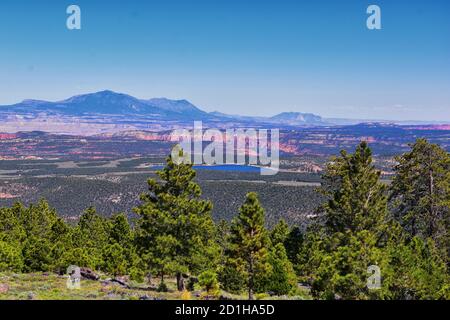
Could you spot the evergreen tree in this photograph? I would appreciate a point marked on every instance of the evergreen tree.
(11, 228)
(122, 235)
(92, 236)
(94, 229)
(280, 232)
(222, 238)
(115, 260)
(121, 231)
(357, 198)
(281, 280)
(37, 254)
(175, 229)
(293, 244)
(249, 242)
(416, 271)
(10, 257)
(342, 272)
(38, 220)
(355, 229)
(209, 283)
(61, 242)
(420, 192)
(40, 223)
(76, 256)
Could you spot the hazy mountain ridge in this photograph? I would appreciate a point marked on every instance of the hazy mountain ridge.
(108, 103)
(108, 111)
(111, 103)
(296, 117)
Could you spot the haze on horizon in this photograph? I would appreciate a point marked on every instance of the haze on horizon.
(234, 56)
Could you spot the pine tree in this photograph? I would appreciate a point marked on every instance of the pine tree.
(94, 229)
(40, 223)
(357, 198)
(222, 234)
(293, 244)
(38, 220)
(416, 271)
(61, 242)
(175, 229)
(249, 242)
(10, 257)
(37, 254)
(420, 192)
(11, 228)
(122, 234)
(92, 236)
(114, 260)
(357, 236)
(77, 256)
(280, 232)
(356, 228)
(120, 231)
(342, 271)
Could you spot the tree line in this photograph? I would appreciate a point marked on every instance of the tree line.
(400, 228)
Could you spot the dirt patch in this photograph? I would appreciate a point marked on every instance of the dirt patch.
(7, 196)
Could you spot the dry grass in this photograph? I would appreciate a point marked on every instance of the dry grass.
(43, 286)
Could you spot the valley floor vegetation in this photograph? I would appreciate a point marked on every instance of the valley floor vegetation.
(174, 250)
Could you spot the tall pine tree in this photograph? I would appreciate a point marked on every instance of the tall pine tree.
(357, 198)
(175, 230)
(356, 229)
(249, 242)
(420, 192)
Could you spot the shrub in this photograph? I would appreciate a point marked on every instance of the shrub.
(208, 282)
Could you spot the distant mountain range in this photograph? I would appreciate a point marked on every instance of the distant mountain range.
(109, 103)
(111, 111)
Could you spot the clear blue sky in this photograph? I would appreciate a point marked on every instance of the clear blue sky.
(236, 56)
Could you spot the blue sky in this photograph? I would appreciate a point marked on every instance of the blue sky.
(235, 56)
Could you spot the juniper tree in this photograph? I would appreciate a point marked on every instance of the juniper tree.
(175, 227)
(281, 278)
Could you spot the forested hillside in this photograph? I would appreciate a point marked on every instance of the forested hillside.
(362, 228)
